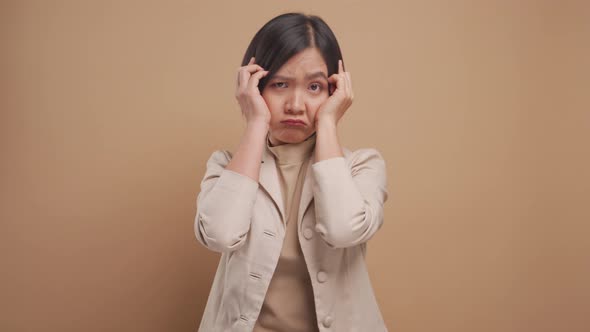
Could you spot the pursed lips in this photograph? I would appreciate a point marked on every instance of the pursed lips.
(293, 122)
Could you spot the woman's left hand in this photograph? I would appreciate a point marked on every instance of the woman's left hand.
(336, 105)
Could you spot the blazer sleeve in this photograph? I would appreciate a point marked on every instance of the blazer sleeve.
(349, 199)
(224, 205)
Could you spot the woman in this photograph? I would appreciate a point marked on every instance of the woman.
(291, 210)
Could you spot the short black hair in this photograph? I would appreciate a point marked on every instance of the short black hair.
(288, 34)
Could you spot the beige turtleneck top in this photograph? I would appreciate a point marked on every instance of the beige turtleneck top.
(289, 304)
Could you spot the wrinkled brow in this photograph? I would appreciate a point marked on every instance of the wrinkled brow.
(307, 77)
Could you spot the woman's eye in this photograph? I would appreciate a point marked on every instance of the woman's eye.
(316, 87)
(280, 84)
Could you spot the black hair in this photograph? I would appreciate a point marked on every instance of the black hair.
(288, 34)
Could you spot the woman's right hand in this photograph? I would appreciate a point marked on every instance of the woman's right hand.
(253, 106)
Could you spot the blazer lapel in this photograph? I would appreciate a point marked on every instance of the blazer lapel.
(307, 190)
(269, 180)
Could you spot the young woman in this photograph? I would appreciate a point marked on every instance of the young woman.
(291, 210)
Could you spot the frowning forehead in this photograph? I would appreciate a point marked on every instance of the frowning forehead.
(308, 76)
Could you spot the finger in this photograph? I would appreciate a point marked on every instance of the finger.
(255, 79)
(243, 78)
(340, 67)
(336, 81)
(251, 68)
(252, 59)
(348, 84)
(344, 83)
(244, 73)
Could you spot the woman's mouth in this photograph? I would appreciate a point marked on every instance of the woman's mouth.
(292, 122)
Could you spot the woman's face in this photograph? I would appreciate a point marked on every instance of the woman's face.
(296, 92)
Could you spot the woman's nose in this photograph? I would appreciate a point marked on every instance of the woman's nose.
(295, 103)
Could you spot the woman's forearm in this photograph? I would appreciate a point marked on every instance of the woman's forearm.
(247, 157)
(327, 144)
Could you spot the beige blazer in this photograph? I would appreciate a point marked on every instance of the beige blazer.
(341, 208)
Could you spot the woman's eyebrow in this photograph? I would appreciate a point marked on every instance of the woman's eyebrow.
(308, 76)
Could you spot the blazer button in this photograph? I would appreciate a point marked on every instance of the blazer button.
(328, 321)
(308, 233)
(322, 276)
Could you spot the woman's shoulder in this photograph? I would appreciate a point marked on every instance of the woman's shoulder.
(220, 157)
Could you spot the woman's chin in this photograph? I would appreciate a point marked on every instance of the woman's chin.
(290, 138)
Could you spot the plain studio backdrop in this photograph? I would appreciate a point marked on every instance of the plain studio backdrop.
(110, 110)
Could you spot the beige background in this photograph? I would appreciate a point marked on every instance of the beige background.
(110, 110)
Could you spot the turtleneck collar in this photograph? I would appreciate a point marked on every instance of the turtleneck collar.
(292, 153)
